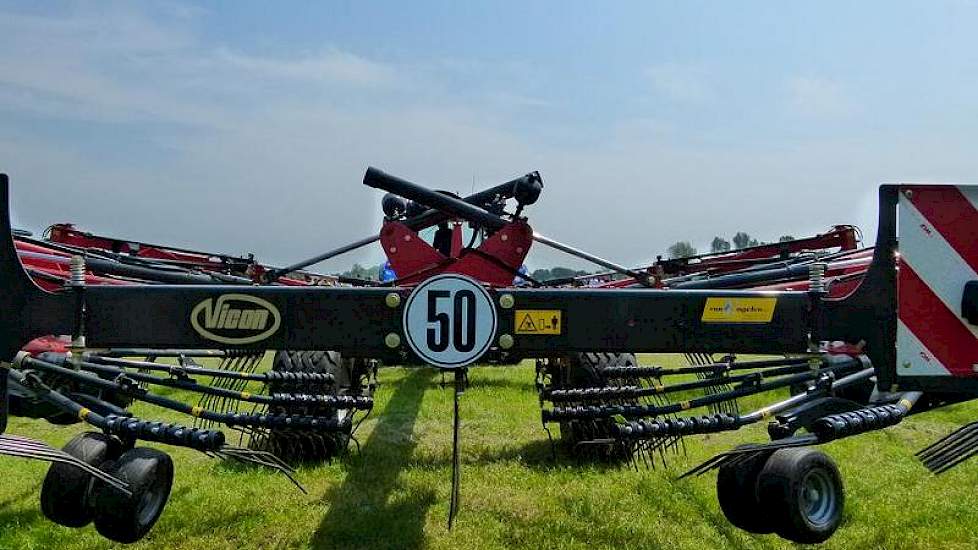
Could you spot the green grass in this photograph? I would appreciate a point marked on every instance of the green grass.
(395, 492)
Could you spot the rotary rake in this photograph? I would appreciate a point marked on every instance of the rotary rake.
(819, 326)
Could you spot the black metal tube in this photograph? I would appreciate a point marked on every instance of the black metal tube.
(178, 370)
(152, 352)
(450, 205)
(714, 367)
(796, 400)
(162, 274)
(324, 400)
(631, 392)
(750, 278)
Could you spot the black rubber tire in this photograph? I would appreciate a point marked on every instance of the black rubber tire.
(738, 498)
(66, 490)
(801, 491)
(583, 370)
(127, 519)
(298, 445)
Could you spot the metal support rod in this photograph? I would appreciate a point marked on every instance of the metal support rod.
(795, 400)
(275, 274)
(456, 458)
(640, 277)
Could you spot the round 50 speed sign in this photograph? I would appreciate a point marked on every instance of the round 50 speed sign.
(449, 321)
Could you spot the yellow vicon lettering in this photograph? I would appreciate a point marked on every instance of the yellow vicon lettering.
(235, 313)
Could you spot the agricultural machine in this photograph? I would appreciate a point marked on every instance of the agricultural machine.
(854, 340)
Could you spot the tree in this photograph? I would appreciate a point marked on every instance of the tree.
(786, 239)
(541, 275)
(720, 244)
(565, 272)
(681, 249)
(360, 272)
(743, 240)
(556, 273)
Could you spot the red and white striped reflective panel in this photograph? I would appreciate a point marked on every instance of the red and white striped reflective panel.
(938, 235)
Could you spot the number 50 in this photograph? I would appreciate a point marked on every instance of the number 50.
(455, 327)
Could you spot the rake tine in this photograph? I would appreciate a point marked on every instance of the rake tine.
(267, 455)
(705, 467)
(958, 460)
(48, 454)
(251, 459)
(951, 448)
(948, 439)
(951, 451)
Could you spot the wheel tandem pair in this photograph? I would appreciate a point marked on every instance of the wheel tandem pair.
(73, 498)
(794, 492)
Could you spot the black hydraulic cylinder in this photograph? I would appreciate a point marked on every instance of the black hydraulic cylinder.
(456, 207)
(747, 279)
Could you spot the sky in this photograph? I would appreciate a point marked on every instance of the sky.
(242, 126)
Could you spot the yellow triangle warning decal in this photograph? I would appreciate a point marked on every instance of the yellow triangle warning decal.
(538, 321)
(526, 325)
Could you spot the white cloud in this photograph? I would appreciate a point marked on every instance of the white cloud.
(817, 97)
(330, 66)
(679, 82)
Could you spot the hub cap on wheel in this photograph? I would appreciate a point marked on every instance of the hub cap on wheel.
(818, 498)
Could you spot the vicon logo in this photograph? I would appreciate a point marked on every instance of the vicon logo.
(235, 319)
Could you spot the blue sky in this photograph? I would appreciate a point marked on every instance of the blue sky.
(246, 126)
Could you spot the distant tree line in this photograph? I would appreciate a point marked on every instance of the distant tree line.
(370, 273)
(741, 239)
(556, 273)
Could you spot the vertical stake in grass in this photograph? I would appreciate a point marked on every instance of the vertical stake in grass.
(456, 470)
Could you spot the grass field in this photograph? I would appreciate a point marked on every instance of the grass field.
(394, 493)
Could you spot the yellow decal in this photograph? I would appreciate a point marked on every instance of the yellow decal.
(739, 310)
(83, 413)
(538, 321)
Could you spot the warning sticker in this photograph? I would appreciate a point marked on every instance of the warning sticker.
(538, 321)
(739, 310)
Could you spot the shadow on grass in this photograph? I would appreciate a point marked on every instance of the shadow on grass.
(372, 509)
(13, 517)
(538, 455)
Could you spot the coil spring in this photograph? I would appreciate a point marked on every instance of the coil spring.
(299, 422)
(170, 434)
(681, 425)
(841, 425)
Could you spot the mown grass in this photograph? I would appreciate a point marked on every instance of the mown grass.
(395, 492)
